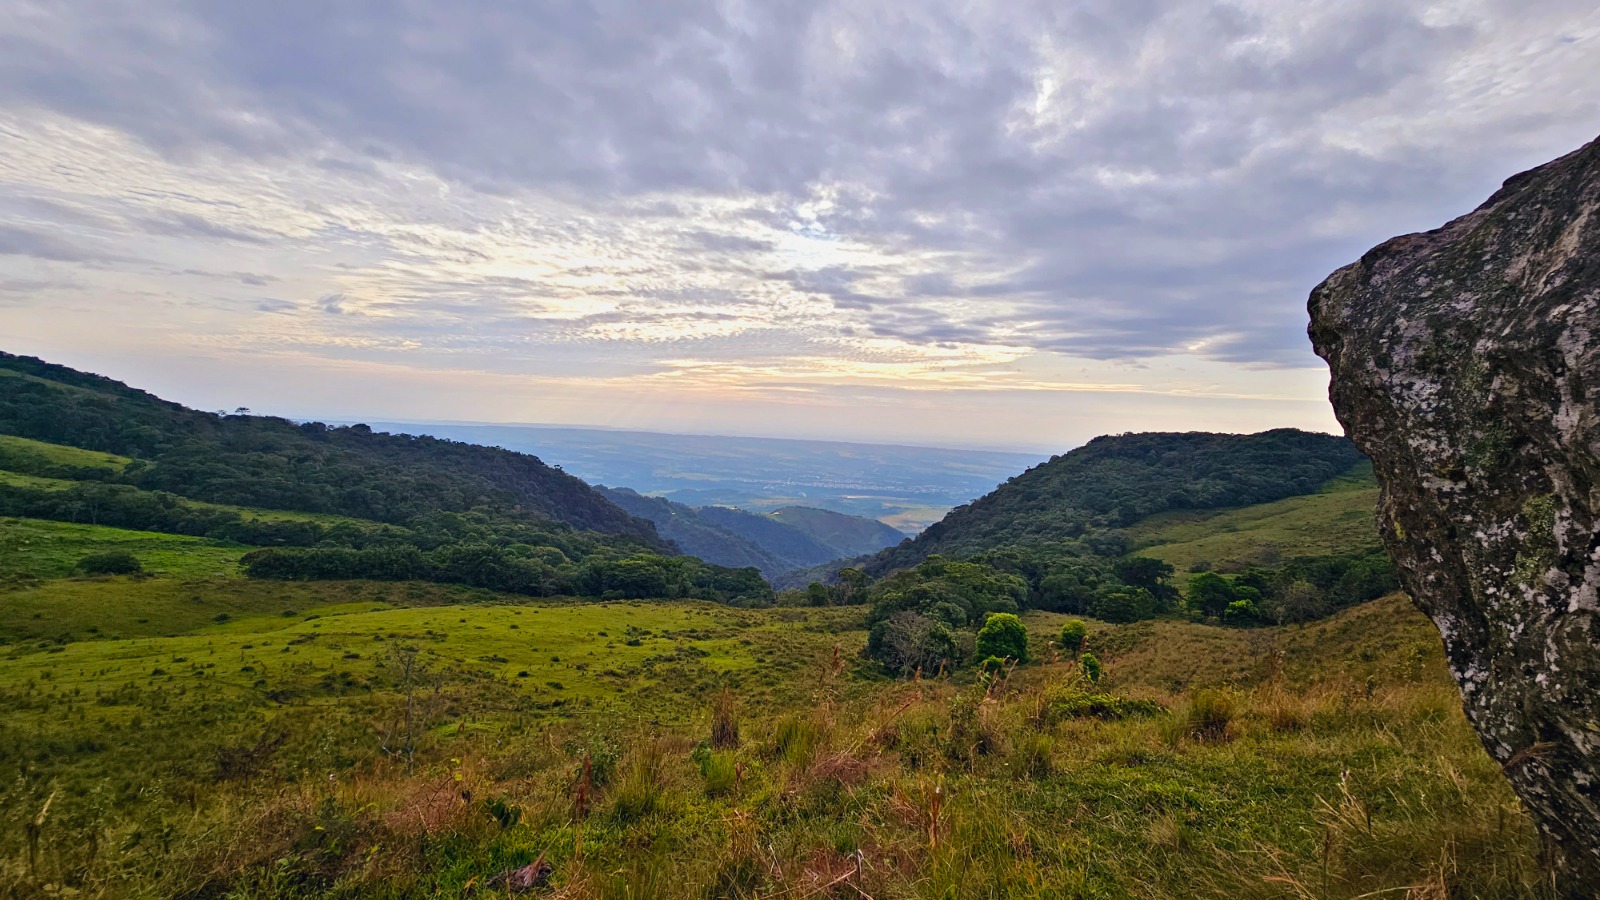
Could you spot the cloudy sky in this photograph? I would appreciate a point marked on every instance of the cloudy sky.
(1003, 224)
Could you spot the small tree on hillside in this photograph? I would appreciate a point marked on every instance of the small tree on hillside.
(817, 594)
(1301, 601)
(1073, 634)
(1002, 635)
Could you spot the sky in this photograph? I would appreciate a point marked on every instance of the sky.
(1009, 224)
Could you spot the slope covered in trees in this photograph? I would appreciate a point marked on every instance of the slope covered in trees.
(1117, 480)
(694, 534)
(327, 503)
(845, 535)
(1059, 538)
(273, 463)
(791, 538)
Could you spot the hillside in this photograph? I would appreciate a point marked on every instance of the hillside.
(260, 728)
(776, 543)
(273, 463)
(694, 534)
(1115, 481)
(95, 474)
(846, 536)
(1337, 519)
(794, 546)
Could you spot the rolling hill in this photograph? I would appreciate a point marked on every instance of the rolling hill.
(273, 463)
(1116, 481)
(778, 542)
(844, 535)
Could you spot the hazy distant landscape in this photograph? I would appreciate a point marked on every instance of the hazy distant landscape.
(908, 488)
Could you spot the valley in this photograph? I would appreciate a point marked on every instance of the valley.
(224, 674)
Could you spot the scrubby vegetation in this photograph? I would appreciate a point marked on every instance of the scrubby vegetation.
(520, 569)
(383, 750)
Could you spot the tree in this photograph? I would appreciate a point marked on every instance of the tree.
(852, 586)
(1301, 601)
(1004, 636)
(1210, 594)
(906, 642)
(1070, 590)
(1073, 634)
(1119, 603)
(1149, 573)
(817, 594)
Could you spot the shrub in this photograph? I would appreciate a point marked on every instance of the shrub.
(992, 665)
(1123, 604)
(1002, 635)
(1211, 716)
(1090, 664)
(640, 791)
(1073, 634)
(111, 562)
(1085, 705)
(971, 734)
(1242, 614)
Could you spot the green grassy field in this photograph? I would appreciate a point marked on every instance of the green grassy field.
(256, 750)
(191, 733)
(33, 548)
(1337, 520)
(22, 453)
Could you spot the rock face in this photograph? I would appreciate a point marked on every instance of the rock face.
(1466, 364)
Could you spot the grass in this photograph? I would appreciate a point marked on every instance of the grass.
(38, 549)
(246, 757)
(1340, 519)
(23, 454)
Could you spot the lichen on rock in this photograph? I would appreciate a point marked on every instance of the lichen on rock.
(1466, 364)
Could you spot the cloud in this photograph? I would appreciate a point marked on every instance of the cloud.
(1103, 181)
(20, 241)
(191, 226)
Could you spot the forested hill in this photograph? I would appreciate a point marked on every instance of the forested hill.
(844, 535)
(790, 538)
(1114, 481)
(272, 463)
(696, 535)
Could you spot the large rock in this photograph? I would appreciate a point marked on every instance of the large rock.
(1466, 363)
